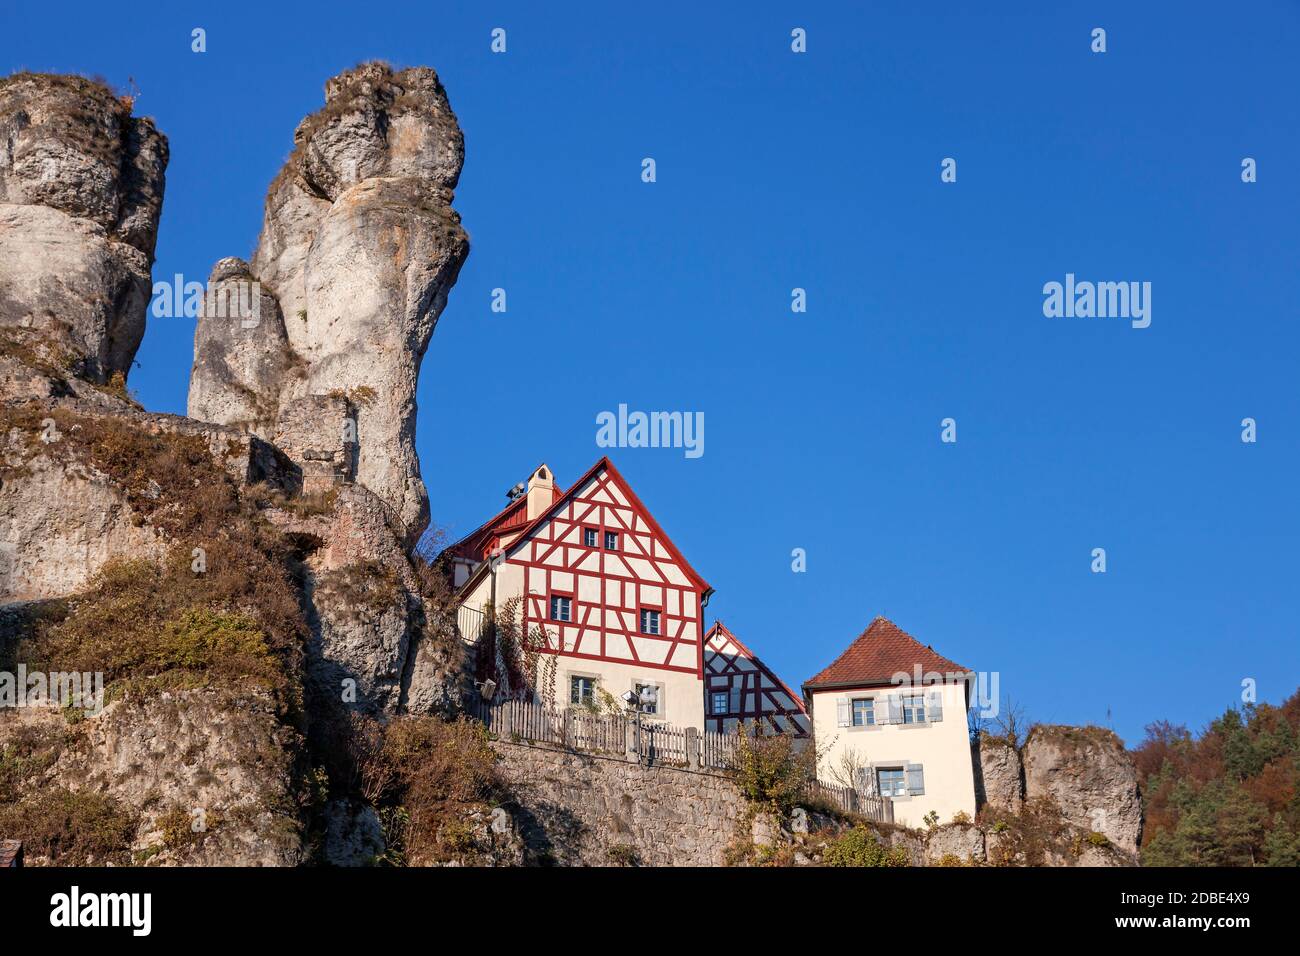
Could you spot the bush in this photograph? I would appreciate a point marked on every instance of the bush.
(623, 854)
(426, 775)
(859, 847)
(771, 771)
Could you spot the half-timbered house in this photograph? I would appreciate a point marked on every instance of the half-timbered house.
(739, 688)
(620, 607)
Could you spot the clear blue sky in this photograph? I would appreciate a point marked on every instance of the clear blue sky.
(821, 171)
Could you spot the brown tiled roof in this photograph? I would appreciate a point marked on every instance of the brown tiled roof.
(881, 651)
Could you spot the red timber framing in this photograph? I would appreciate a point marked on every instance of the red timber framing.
(752, 691)
(607, 589)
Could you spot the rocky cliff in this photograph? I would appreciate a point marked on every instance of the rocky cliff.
(1075, 785)
(243, 579)
(358, 250)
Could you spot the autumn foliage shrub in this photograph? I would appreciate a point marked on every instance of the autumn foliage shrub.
(771, 769)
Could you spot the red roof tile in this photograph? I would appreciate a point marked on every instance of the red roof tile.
(881, 651)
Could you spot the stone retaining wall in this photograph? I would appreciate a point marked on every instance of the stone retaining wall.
(575, 808)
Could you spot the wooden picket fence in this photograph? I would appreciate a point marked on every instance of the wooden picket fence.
(519, 720)
(719, 750)
(662, 743)
(523, 721)
(880, 809)
(614, 734)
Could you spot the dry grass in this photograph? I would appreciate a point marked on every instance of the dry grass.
(425, 776)
(143, 623)
(238, 618)
(71, 827)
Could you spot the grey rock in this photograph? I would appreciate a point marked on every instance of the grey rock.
(354, 835)
(961, 840)
(1000, 774)
(1092, 778)
(359, 248)
(81, 184)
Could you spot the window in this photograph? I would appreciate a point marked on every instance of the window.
(611, 540)
(582, 691)
(561, 608)
(913, 710)
(720, 702)
(864, 712)
(649, 621)
(649, 694)
(892, 782)
(589, 537)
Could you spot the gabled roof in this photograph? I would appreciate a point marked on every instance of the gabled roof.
(720, 628)
(514, 515)
(881, 651)
(562, 499)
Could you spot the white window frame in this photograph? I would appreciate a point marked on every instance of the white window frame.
(584, 700)
(608, 536)
(658, 621)
(916, 700)
(638, 686)
(726, 702)
(870, 703)
(900, 789)
(567, 605)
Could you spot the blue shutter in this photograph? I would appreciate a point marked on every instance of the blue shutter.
(915, 779)
(843, 716)
(934, 706)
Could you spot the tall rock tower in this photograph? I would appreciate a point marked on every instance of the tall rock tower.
(358, 250)
(81, 187)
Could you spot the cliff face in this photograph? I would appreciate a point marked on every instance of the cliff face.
(81, 184)
(358, 250)
(1090, 776)
(1065, 784)
(244, 582)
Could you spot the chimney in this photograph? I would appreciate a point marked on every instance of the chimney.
(541, 491)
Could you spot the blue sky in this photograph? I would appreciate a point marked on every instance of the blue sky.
(821, 171)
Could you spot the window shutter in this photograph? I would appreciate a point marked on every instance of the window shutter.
(895, 710)
(879, 711)
(843, 717)
(733, 700)
(915, 779)
(934, 706)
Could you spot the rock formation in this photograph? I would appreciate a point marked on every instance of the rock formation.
(999, 777)
(358, 250)
(245, 581)
(1090, 776)
(81, 184)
